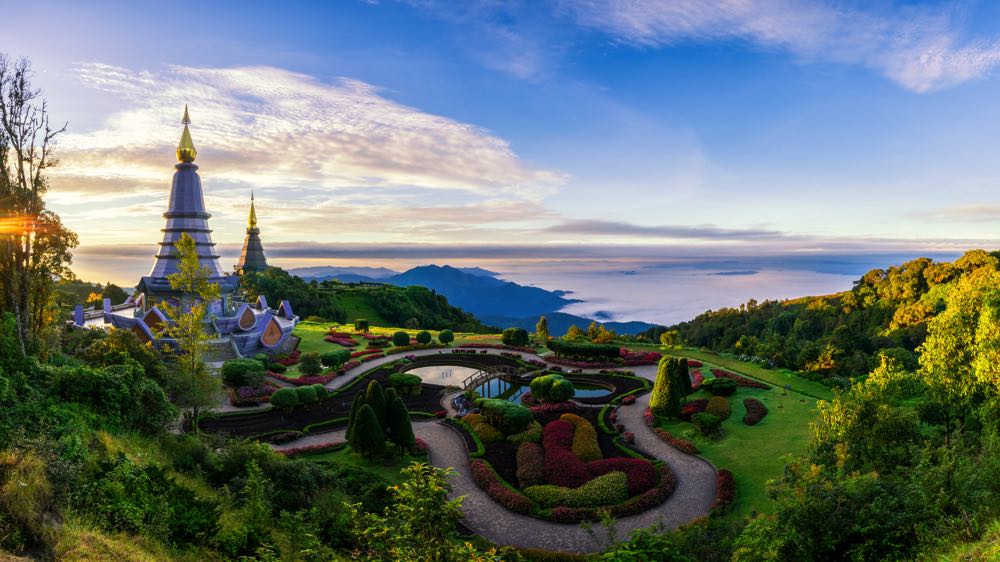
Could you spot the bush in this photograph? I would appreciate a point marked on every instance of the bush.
(606, 489)
(306, 394)
(423, 337)
(552, 388)
(486, 432)
(665, 399)
(641, 474)
(693, 407)
(707, 424)
(756, 410)
(285, 398)
(487, 479)
(720, 387)
(514, 336)
(532, 434)
(740, 380)
(562, 467)
(508, 417)
(309, 364)
(335, 358)
(446, 337)
(584, 351)
(718, 406)
(530, 464)
(585, 444)
(725, 491)
(405, 383)
(243, 372)
(361, 325)
(277, 368)
(400, 339)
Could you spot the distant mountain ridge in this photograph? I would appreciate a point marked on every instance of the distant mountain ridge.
(495, 301)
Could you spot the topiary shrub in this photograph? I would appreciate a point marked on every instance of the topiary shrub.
(514, 336)
(707, 424)
(486, 432)
(306, 394)
(285, 398)
(321, 391)
(641, 474)
(693, 407)
(243, 372)
(446, 337)
(335, 358)
(423, 337)
(361, 325)
(718, 406)
(552, 388)
(562, 467)
(532, 433)
(585, 444)
(508, 417)
(530, 464)
(405, 383)
(309, 364)
(720, 387)
(277, 368)
(607, 489)
(756, 410)
(400, 338)
(664, 400)
(263, 359)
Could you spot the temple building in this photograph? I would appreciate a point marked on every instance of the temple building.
(252, 258)
(240, 328)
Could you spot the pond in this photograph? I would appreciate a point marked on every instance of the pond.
(443, 375)
(497, 388)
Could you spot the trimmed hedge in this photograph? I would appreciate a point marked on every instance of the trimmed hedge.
(481, 428)
(514, 336)
(585, 444)
(487, 479)
(707, 424)
(718, 406)
(400, 339)
(693, 407)
(285, 398)
(508, 417)
(242, 372)
(405, 383)
(725, 491)
(531, 434)
(607, 489)
(562, 467)
(552, 388)
(462, 426)
(335, 358)
(423, 337)
(446, 336)
(277, 368)
(306, 394)
(584, 351)
(530, 464)
(641, 474)
(719, 387)
(756, 411)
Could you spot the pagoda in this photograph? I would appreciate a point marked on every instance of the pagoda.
(186, 214)
(252, 259)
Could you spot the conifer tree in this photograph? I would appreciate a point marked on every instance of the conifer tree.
(665, 400)
(390, 395)
(376, 399)
(684, 376)
(400, 426)
(359, 401)
(369, 439)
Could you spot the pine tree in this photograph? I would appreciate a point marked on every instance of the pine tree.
(376, 399)
(684, 376)
(359, 401)
(369, 439)
(400, 426)
(390, 395)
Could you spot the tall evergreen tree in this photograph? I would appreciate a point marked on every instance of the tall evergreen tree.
(376, 399)
(665, 400)
(359, 401)
(400, 425)
(369, 439)
(683, 375)
(390, 395)
(542, 329)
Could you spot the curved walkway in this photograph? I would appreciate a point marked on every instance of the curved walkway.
(692, 498)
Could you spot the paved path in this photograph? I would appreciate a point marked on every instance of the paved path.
(692, 498)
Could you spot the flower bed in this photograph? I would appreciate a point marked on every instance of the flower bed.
(420, 447)
(247, 397)
(694, 363)
(337, 334)
(725, 490)
(291, 359)
(682, 445)
(740, 379)
(364, 352)
(522, 349)
(693, 407)
(696, 379)
(487, 479)
(304, 380)
(581, 364)
(310, 449)
(756, 411)
(344, 342)
(368, 358)
(349, 365)
(414, 347)
(644, 501)
(634, 358)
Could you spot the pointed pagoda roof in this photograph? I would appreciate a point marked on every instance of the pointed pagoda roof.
(252, 257)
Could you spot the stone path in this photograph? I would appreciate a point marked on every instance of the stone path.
(692, 498)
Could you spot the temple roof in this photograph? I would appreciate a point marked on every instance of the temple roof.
(252, 257)
(186, 151)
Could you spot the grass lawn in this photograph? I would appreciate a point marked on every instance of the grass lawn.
(754, 454)
(388, 469)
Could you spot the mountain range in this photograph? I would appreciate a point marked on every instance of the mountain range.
(494, 301)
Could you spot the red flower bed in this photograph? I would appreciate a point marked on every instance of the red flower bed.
(641, 474)
(368, 358)
(440, 414)
(628, 400)
(725, 490)
(693, 407)
(291, 359)
(682, 445)
(581, 364)
(740, 379)
(337, 334)
(696, 379)
(562, 467)
(311, 449)
(498, 346)
(345, 342)
(349, 365)
(631, 358)
(694, 363)
(302, 381)
(487, 479)
(556, 407)
(756, 410)
(364, 352)
(419, 446)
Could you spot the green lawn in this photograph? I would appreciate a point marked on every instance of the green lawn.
(754, 454)
(388, 469)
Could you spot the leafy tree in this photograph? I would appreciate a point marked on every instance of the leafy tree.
(515, 337)
(285, 398)
(306, 394)
(310, 364)
(446, 337)
(192, 385)
(375, 398)
(670, 338)
(336, 358)
(593, 331)
(573, 332)
(361, 325)
(243, 372)
(423, 337)
(400, 425)
(411, 323)
(368, 436)
(400, 339)
(542, 329)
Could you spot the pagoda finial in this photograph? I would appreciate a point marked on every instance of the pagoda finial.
(252, 223)
(185, 150)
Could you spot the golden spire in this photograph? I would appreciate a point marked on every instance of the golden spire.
(253, 214)
(185, 150)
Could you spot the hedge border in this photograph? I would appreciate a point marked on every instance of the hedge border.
(460, 425)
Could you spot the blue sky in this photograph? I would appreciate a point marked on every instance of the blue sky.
(658, 128)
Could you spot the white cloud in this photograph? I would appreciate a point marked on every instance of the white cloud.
(921, 49)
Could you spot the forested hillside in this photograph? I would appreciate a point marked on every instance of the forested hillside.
(842, 334)
(384, 305)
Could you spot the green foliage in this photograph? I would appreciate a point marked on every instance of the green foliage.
(665, 399)
(530, 464)
(120, 393)
(707, 424)
(309, 364)
(423, 337)
(719, 407)
(321, 391)
(336, 358)
(542, 329)
(719, 386)
(532, 433)
(400, 338)
(405, 383)
(263, 359)
(446, 337)
(508, 417)
(306, 394)
(243, 372)
(552, 388)
(682, 374)
(483, 429)
(585, 444)
(400, 426)
(584, 351)
(285, 398)
(514, 336)
(361, 325)
(607, 489)
(368, 438)
(375, 398)
(277, 368)
(359, 400)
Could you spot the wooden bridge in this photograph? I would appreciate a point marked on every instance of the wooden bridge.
(507, 377)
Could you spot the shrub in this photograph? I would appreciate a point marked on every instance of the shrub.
(309, 364)
(405, 383)
(665, 400)
(486, 432)
(532, 433)
(446, 337)
(584, 438)
(335, 358)
(693, 407)
(400, 338)
(584, 351)
(306, 394)
(508, 417)
(725, 491)
(756, 410)
(719, 387)
(321, 391)
(530, 464)
(400, 426)
(552, 388)
(562, 467)
(740, 380)
(361, 325)
(641, 474)
(375, 398)
(604, 490)
(423, 337)
(243, 372)
(514, 336)
(368, 437)
(487, 479)
(277, 368)
(718, 406)
(707, 424)
(284, 398)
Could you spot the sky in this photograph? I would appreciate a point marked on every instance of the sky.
(402, 132)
